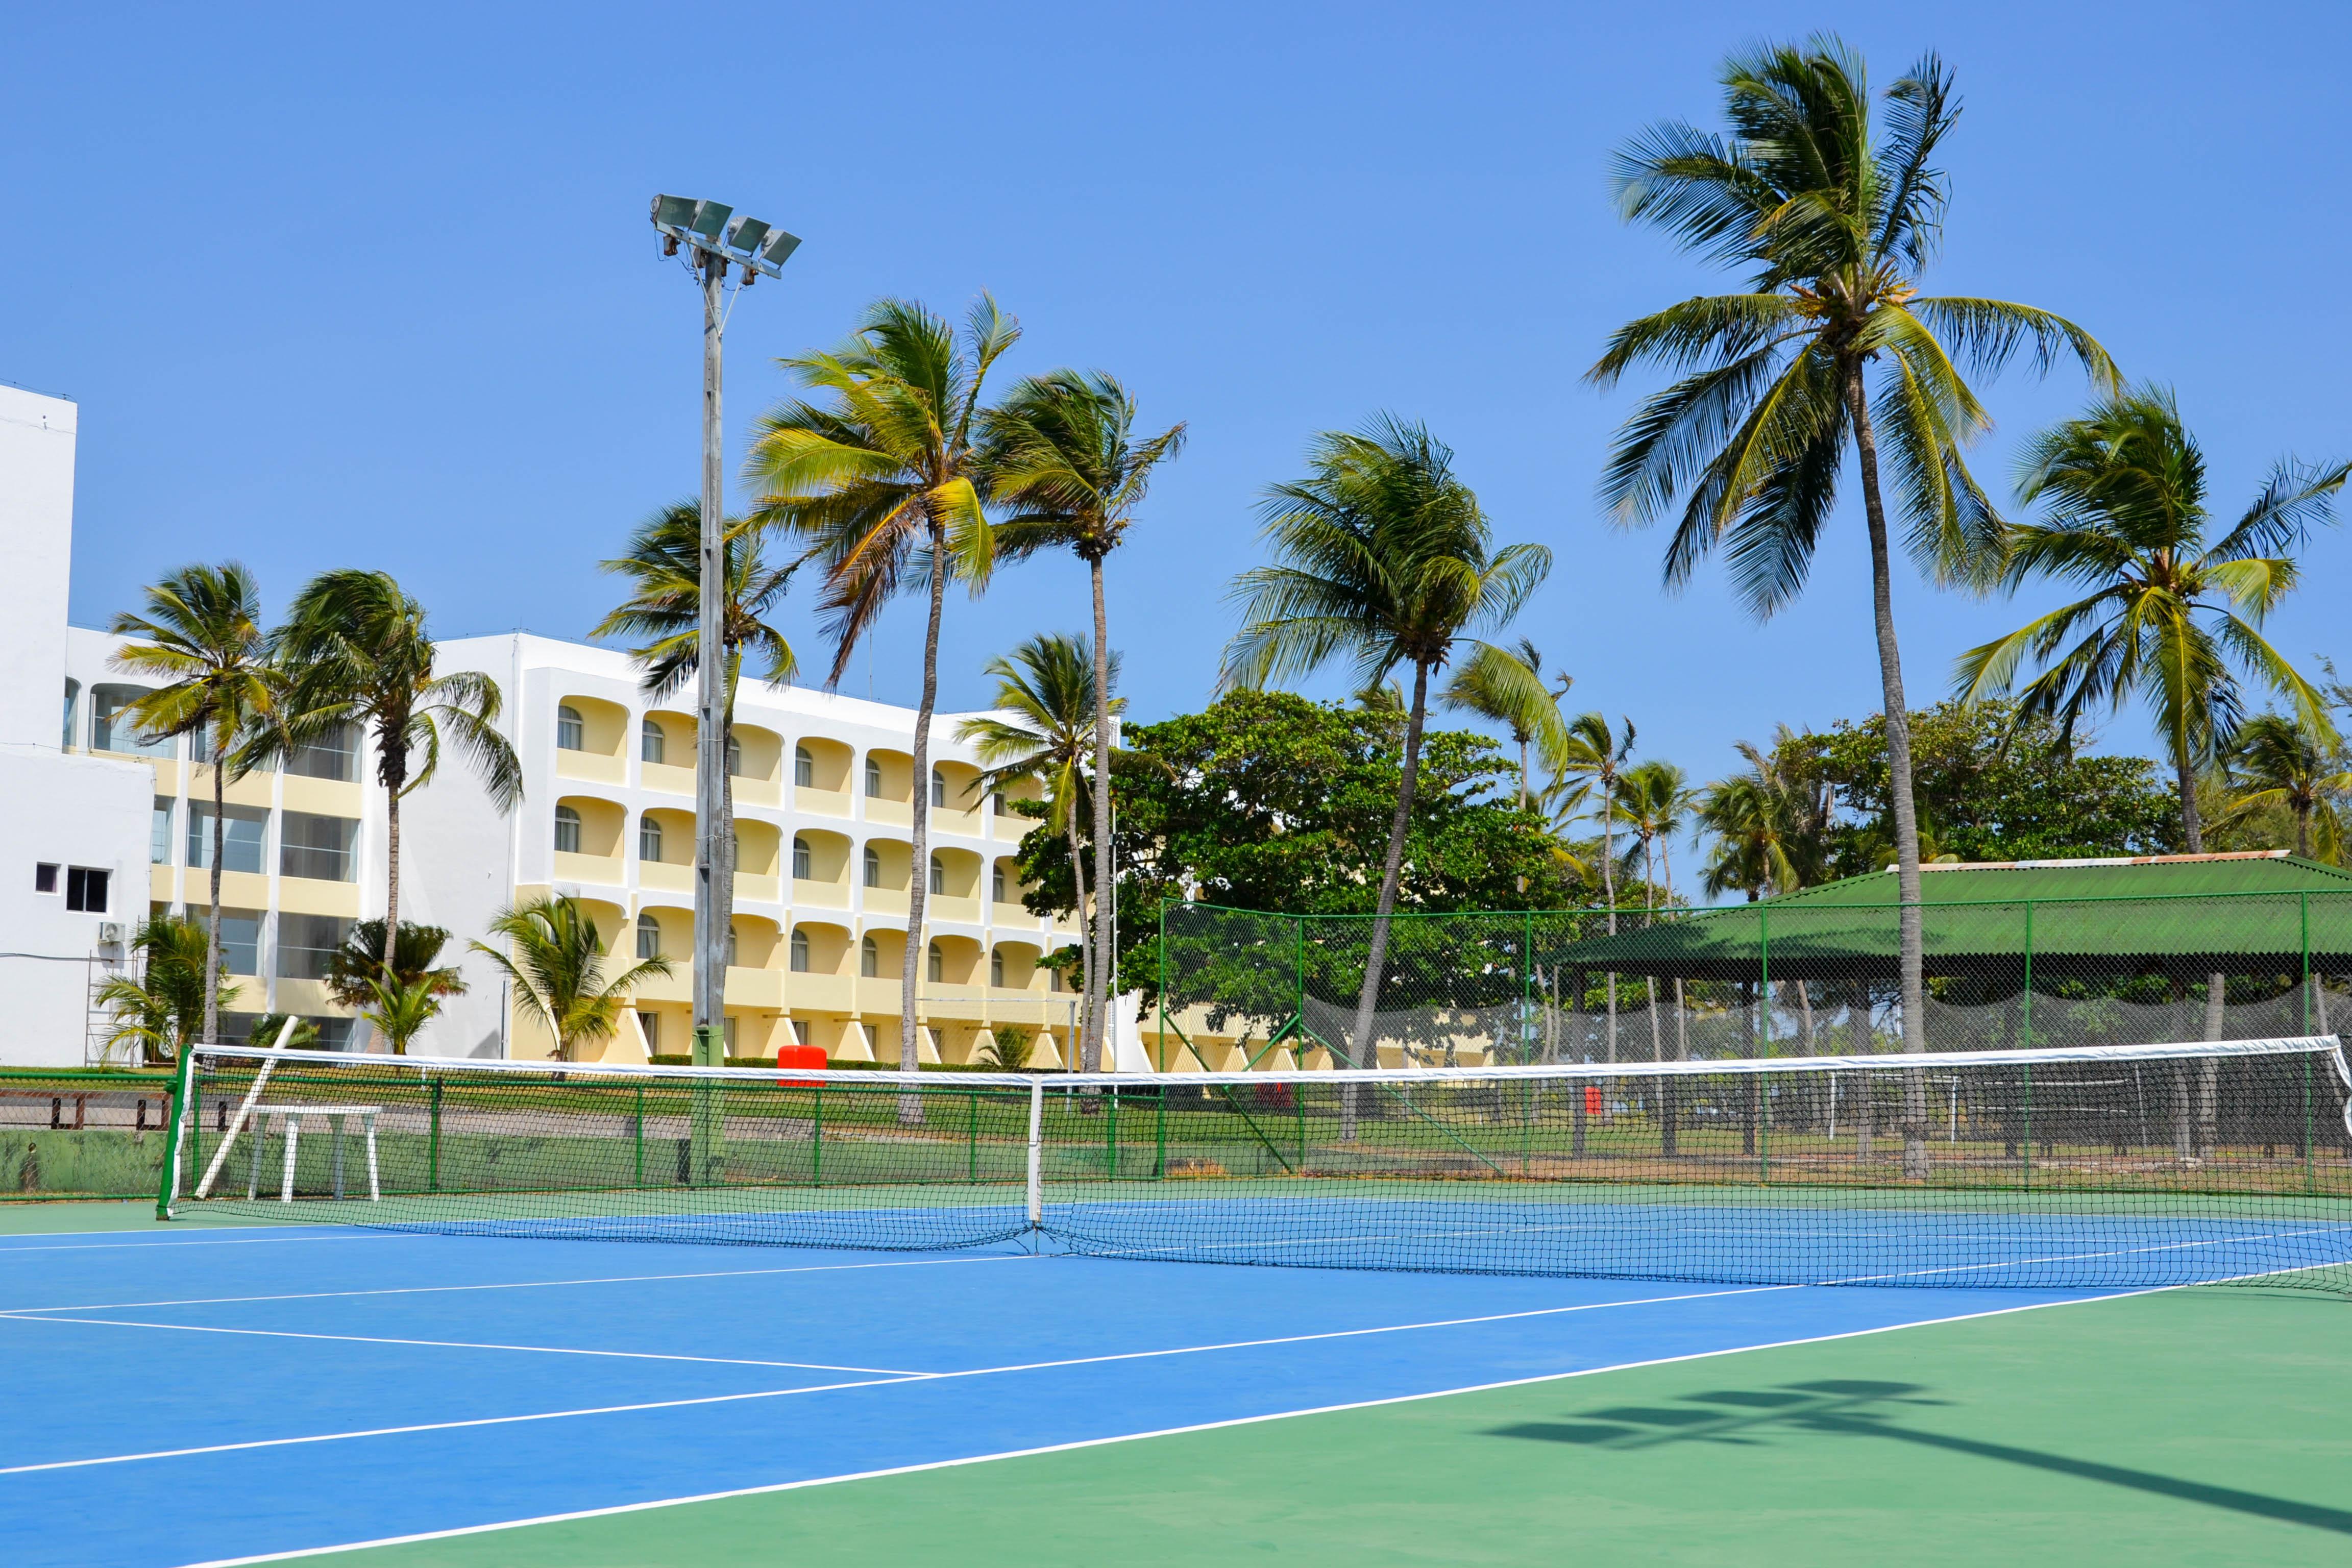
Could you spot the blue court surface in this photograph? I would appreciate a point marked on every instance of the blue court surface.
(206, 1394)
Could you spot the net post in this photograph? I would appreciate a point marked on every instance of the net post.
(703, 1128)
(1036, 1152)
(167, 1191)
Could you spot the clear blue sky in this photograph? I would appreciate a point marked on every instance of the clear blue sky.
(340, 287)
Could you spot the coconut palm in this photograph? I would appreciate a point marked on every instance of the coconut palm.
(556, 961)
(662, 618)
(354, 969)
(356, 651)
(1383, 558)
(201, 635)
(1046, 686)
(885, 486)
(1506, 686)
(1592, 759)
(2277, 762)
(158, 1013)
(1839, 220)
(399, 1008)
(2170, 619)
(1063, 458)
(1770, 825)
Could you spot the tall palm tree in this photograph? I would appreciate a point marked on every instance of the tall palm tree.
(1384, 557)
(2277, 762)
(1047, 686)
(1506, 686)
(662, 618)
(356, 651)
(1592, 758)
(1839, 220)
(202, 637)
(1064, 457)
(885, 485)
(556, 961)
(158, 1013)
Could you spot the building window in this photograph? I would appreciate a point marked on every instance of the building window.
(935, 965)
(649, 1023)
(999, 804)
(873, 867)
(648, 938)
(996, 883)
(158, 833)
(240, 942)
(324, 848)
(45, 878)
(735, 758)
(242, 827)
(567, 830)
(653, 743)
(334, 1034)
(939, 883)
(939, 788)
(1053, 980)
(649, 837)
(800, 953)
(73, 701)
(727, 1034)
(112, 728)
(996, 966)
(333, 753)
(800, 1031)
(86, 889)
(731, 949)
(873, 779)
(305, 943)
(803, 768)
(802, 861)
(570, 732)
(869, 958)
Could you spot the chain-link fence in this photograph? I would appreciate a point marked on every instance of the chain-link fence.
(1249, 988)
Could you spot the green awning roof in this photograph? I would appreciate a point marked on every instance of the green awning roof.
(2187, 914)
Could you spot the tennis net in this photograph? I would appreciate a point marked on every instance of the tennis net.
(2098, 1167)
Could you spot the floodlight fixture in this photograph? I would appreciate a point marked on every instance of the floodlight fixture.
(710, 218)
(778, 247)
(745, 233)
(673, 212)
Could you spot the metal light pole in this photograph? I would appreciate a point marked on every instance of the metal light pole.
(712, 244)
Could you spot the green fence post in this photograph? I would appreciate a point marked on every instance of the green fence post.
(1529, 1033)
(2026, 997)
(1764, 1130)
(1527, 1130)
(1163, 986)
(1298, 963)
(641, 1135)
(2027, 1147)
(167, 1188)
(432, 1156)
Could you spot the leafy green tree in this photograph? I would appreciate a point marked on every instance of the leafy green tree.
(1383, 558)
(2277, 763)
(355, 970)
(2168, 615)
(355, 650)
(1064, 458)
(201, 635)
(662, 621)
(556, 961)
(1838, 219)
(885, 486)
(157, 1014)
(1047, 686)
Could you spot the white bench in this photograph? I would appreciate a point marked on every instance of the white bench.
(290, 1121)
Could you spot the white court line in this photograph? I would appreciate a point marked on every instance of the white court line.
(1140, 1437)
(530, 1284)
(872, 1382)
(237, 1241)
(459, 1344)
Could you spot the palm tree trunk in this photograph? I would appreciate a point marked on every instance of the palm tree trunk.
(1608, 890)
(2217, 985)
(395, 773)
(722, 875)
(1365, 1049)
(910, 1105)
(1098, 1008)
(1086, 947)
(1899, 782)
(213, 918)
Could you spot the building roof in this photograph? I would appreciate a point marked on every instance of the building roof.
(2255, 912)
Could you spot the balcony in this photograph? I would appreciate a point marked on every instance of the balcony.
(659, 876)
(963, 824)
(592, 765)
(602, 870)
(753, 887)
(820, 895)
(677, 985)
(885, 902)
(239, 890)
(821, 993)
(878, 995)
(667, 778)
(755, 988)
(820, 802)
(945, 907)
(890, 813)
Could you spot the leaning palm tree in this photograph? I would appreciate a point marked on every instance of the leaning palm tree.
(1838, 221)
(202, 635)
(1384, 557)
(2170, 619)
(662, 618)
(2278, 762)
(556, 961)
(356, 651)
(884, 485)
(1044, 727)
(1592, 759)
(1064, 458)
(1505, 685)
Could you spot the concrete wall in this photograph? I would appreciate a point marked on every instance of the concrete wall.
(67, 812)
(36, 475)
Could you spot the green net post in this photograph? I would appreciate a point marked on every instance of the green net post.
(433, 1143)
(705, 1127)
(167, 1189)
(2310, 1143)
(2026, 997)
(1764, 969)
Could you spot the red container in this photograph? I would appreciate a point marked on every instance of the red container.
(1592, 1097)
(803, 1057)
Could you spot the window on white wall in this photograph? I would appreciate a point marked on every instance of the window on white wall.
(158, 833)
(567, 830)
(86, 889)
(45, 878)
(935, 966)
(996, 966)
(648, 938)
(649, 838)
(73, 704)
(869, 958)
(734, 758)
(803, 863)
(873, 867)
(305, 943)
(873, 778)
(332, 754)
(650, 1023)
(112, 728)
(939, 882)
(242, 830)
(241, 942)
(800, 951)
(570, 732)
(939, 788)
(653, 744)
(803, 767)
(325, 849)
(996, 883)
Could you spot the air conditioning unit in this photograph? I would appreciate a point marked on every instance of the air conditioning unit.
(109, 933)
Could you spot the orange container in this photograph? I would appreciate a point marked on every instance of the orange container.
(803, 1057)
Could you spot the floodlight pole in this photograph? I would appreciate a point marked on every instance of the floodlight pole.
(714, 833)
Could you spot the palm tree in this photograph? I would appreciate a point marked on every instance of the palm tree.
(1592, 759)
(1656, 799)
(663, 617)
(1047, 686)
(399, 1008)
(1839, 221)
(556, 961)
(158, 1014)
(2278, 762)
(354, 969)
(1771, 826)
(1506, 686)
(202, 635)
(355, 650)
(1383, 558)
(1063, 454)
(885, 487)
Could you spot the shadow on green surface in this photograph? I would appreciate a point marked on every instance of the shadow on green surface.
(1848, 1407)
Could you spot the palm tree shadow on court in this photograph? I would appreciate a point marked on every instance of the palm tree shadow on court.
(1860, 1408)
